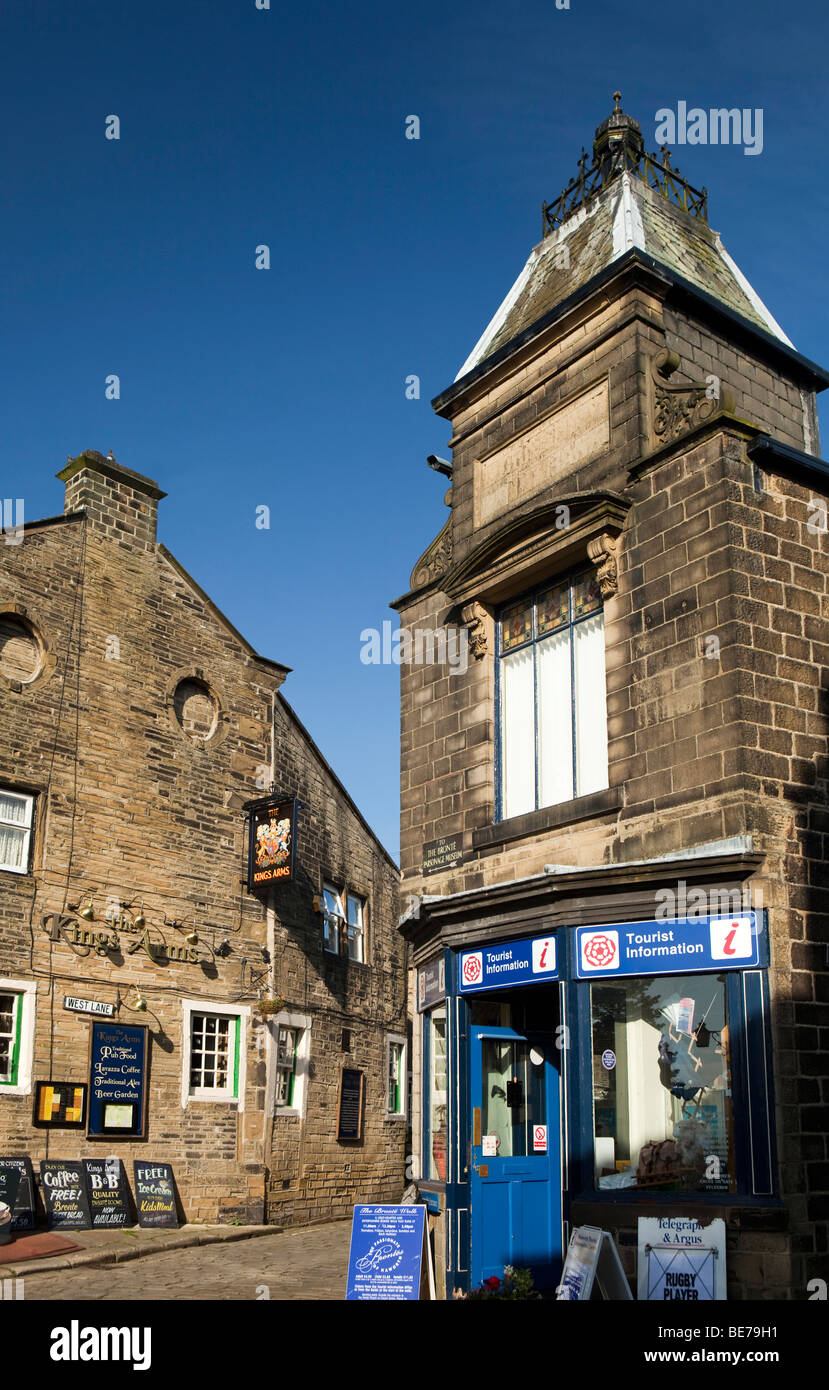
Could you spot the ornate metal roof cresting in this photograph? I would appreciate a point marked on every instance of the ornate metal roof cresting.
(619, 146)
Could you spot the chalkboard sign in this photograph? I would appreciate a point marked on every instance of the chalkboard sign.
(106, 1187)
(64, 1191)
(17, 1190)
(350, 1109)
(385, 1260)
(117, 1079)
(155, 1194)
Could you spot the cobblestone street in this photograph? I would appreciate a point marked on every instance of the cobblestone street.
(297, 1264)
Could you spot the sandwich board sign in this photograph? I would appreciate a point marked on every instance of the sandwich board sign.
(680, 1260)
(389, 1258)
(592, 1268)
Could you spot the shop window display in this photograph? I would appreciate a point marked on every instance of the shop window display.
(662, 1100)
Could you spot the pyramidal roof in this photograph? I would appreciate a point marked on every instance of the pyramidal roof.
(625, 200)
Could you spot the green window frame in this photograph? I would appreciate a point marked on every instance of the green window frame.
(287, 1046)
(11, 1028)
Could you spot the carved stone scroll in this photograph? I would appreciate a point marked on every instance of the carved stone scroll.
(601, 552)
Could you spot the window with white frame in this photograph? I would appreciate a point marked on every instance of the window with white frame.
(214, 1061)
(16, 816)
(292, 1035)
(10, 1020)
(17, 1008)
(287, 1040)
(332, 918)
(551, 692)
(356, 927)
(396, 1076)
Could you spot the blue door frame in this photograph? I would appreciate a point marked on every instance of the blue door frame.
(514, 1197)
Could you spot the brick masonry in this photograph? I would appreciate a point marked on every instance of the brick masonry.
(717, 651)
(139, 803)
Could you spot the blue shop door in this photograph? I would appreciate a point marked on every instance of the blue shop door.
(515, 1174)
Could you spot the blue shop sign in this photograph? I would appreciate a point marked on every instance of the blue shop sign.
(385, 1261)
(679, 946)
(530, 961)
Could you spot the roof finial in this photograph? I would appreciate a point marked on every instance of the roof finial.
(617, 97)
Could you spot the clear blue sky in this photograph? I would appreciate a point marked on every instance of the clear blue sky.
(388, 256)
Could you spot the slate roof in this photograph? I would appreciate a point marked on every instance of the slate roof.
(625, 213)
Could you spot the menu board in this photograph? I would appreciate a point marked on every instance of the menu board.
(117, 1079)
(155, 1194)
(350, 1109)
(64, 1191)
(106, 1186)
(17, 1190)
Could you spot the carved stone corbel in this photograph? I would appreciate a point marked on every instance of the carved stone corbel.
(475, 617)
(679, 408)
(601, 551)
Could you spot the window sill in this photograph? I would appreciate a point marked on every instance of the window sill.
(547, 818)
(289, 1111)
(212, 1100)
(9, 1088)
(344, 960)
(394, 1115)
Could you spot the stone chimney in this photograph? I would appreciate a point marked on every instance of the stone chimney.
(116, 500)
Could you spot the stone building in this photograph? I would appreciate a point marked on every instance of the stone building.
(140, 734)
(614, 820)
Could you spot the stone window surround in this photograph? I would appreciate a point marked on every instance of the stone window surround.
(222, 725)
(302, 1023)
(205, 1006)
(344, 889)
(28, 990)
(499, 570)
(402, 1042)
(47, 660)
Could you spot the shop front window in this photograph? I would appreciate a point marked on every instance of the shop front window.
(437, 1146)
(662, 1101)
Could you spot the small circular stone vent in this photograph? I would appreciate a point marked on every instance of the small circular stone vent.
(197, 709)
(21, 656)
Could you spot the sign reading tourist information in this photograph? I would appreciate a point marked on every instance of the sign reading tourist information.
(431, 985)
(445, 853)
(350, 1109)
(386, 1256)
(117, 1079)
(107, 1190)
(677, 946)
(680, 1260)
(17, 1190)
(272, 844)
(155, 1194)
(64, 1192)
(527, 962)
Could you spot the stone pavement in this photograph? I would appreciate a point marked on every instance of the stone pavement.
(239, 1263)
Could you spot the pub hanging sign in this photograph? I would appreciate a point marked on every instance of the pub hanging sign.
(272, 843)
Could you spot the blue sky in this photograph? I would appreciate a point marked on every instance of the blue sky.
(286, 387)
